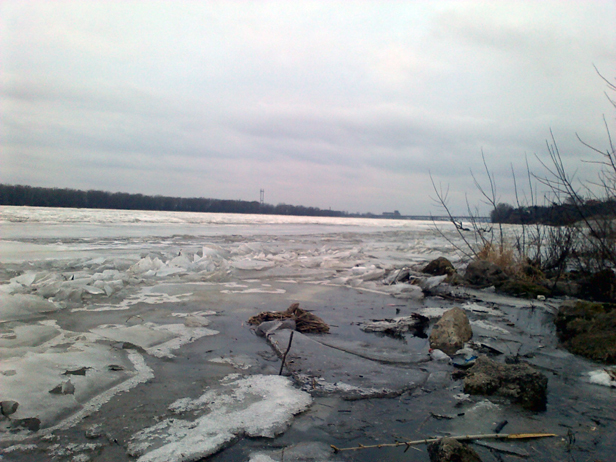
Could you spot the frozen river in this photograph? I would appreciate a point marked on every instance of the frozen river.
(124, 336)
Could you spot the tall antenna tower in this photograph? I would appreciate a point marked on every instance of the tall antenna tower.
(262, 199)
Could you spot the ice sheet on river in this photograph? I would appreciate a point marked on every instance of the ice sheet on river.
(23, 307)
(156, 340)
(85, 373)
(326, 369)
(256, 406)
(75, 294)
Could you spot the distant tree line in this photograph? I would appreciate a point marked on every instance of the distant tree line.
(561, 214)
(56, 197)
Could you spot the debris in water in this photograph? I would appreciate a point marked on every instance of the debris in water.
(65, 388)
(305, 322)
(80, 371)
(408, 444)
(500, 426)
(397, 326)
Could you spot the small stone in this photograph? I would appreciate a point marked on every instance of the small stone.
(439, 267)
(451, 450)
(31, 423)
(9, 407)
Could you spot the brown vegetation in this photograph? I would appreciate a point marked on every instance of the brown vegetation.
(305, 322)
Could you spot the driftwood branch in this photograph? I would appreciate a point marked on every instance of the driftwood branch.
(284, 357)
(408, 444)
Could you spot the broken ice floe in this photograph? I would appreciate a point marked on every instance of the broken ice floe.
(431, 282)
(348, 372)
(319, 386)
(605, 377)
(404, 291)
(252, 264)
(304, 452)
(23, 307)
(432, 312)
(156, 340)
(258, 406)
(75, 451)
(242, 362)
(147, 295)
(254, 291)
(397, 326)
(38, 380)
(477, 308)
(488, 326)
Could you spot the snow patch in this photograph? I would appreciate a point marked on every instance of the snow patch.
(258, 406)
(605, 377)
(254, 291)
(146, 296)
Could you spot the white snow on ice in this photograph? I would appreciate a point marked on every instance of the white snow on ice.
(603, 377)
(257, 406)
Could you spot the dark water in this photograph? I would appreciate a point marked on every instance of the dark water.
(580, 413)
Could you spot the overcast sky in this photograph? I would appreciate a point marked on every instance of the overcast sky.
(347, 104)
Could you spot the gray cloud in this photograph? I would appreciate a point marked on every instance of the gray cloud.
(339, 104)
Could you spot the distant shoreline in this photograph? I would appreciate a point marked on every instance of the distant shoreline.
(33, 196)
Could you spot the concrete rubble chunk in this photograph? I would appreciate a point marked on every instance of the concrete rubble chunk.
(519, 382)
(451, 331)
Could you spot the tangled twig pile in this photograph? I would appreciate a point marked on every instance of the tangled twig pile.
(305, 322)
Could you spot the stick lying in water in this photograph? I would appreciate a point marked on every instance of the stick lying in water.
(408, 444)
(284, 357)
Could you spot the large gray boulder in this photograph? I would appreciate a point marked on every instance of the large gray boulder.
(519, 382)
(451, 450)
(451, 332)
(483, 273)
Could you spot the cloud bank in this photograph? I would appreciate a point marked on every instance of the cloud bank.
(348, 105)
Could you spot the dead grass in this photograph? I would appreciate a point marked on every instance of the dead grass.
(500, 255)
(505, 257)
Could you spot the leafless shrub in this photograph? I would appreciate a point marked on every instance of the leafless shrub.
(587, 242)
